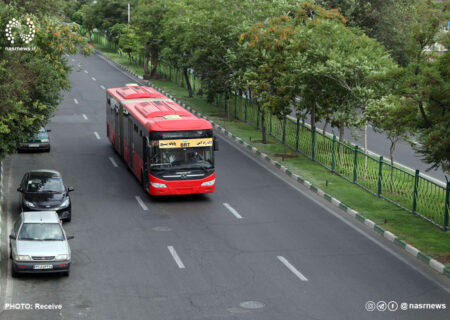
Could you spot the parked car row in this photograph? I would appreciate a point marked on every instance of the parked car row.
(38, 242)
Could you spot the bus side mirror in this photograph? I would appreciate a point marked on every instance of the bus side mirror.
(215, 144)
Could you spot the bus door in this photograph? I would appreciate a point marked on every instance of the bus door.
(116, 128)
(130, 142)
(145, 160)
(121, 142)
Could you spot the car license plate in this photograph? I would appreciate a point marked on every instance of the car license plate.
(33, 145)
(42, 266)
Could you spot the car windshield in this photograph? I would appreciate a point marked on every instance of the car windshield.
(45, 184)
(41, 231)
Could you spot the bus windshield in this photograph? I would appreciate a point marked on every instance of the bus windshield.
(182, 158)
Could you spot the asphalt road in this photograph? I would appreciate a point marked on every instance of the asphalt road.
(258, 248)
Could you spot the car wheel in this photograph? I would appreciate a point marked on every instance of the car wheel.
(68, 219)
(66, 274)
(13, 271)
(10, 252)
(48, 150)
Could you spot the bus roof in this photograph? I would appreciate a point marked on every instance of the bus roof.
(156, 111)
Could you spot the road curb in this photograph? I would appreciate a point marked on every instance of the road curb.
(432, 263)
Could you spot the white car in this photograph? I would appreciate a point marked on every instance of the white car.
(38, 244)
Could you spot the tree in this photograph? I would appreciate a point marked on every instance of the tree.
(424, 83)
(128, 41)
(387, 21)
(147, 18)
(31, 81)
(391, 116)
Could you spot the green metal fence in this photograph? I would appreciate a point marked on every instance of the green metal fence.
(409, 191)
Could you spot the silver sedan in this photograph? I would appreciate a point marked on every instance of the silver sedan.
(38, 244)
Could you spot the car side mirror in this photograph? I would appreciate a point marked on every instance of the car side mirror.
(69, 189)
(12, 236)
(20, 189)
(70, 237)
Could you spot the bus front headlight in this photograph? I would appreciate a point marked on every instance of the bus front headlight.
(209, 183)
(158, 185)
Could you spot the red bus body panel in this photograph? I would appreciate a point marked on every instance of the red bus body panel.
(180, 187)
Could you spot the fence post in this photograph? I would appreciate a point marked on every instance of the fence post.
(298, 134)
(333, 154)
(194, 82)
(355, 165)
(380, 175)
(416, 184)
(447, 204)
(313, 147)
(284, 130)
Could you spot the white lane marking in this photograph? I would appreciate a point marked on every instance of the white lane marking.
(292, 268)
(73, 60)
(141, 203)
(113, 162)
(75, 100)
(85, 71)
(232, 210)
(176, 257)
(350, 223)
(94, 79)
(97, 135)
(103, 87)
(84, 116)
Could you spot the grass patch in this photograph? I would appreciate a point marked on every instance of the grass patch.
(408, 227)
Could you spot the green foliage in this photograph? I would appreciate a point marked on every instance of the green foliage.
(127, 40)
(31, 81)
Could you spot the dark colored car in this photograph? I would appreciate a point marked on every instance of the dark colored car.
(39, 142)
(43, 190)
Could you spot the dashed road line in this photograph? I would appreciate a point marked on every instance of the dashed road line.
(84, 116)
(75, 100)
(113, 162)
(141, 203)
(232, 210)
(94, 79)
(292, 268)
(85, 71)
(97, 135)
(103, 87)
(176, 257)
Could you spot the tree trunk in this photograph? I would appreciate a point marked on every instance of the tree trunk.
(155, 59)
(341, 138)
(325, 128)
(263, 127)
(188, 83)
(391, 154)
(283, 125)
(313, 116)
(365, 150)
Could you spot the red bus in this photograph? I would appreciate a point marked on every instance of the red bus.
(169, 150)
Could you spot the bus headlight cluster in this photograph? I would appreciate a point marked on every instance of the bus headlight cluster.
(158, 185)
(209, 183)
